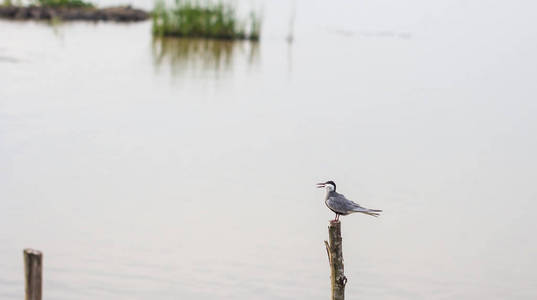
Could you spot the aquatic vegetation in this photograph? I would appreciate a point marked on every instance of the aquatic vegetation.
(204, 20)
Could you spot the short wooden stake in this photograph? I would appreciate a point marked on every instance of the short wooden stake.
(33, 272)
(334, 249)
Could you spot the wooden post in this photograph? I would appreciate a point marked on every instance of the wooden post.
(334, 249)
(33, 272)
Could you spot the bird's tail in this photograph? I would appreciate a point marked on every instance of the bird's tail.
(371, 212)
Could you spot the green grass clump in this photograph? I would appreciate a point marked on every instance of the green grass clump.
(64, 3)
(189, 18)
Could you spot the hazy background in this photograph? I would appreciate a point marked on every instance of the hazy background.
(149, 169)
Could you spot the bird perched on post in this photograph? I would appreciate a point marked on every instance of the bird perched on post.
(341, 205)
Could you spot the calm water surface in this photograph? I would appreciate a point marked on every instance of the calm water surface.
(157, 169)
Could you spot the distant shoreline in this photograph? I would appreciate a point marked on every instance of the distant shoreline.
(115, 14)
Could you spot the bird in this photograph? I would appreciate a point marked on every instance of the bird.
(337, 203)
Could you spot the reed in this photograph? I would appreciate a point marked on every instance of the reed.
(197, 19)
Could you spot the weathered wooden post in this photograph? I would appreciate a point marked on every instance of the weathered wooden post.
(334, 249)
(33, 272)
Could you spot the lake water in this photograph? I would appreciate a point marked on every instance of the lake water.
(158, 169)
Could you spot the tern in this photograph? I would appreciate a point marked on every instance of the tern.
(341, 205)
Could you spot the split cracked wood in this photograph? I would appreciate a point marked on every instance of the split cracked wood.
(334, 249)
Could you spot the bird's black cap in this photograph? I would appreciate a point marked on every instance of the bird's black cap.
(332, 183)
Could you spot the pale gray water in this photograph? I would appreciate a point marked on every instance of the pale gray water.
(150, 170)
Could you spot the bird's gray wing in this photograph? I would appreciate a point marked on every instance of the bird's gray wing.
(339, 204)
(344, 205)
(349, 202)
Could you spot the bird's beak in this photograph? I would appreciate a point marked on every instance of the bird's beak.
(320, 185)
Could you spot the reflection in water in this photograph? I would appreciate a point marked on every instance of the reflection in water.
(183, 55)
(8, 59)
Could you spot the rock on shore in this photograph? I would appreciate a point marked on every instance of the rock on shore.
(117, 14)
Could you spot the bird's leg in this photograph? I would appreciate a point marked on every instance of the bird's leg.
(335, 218)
